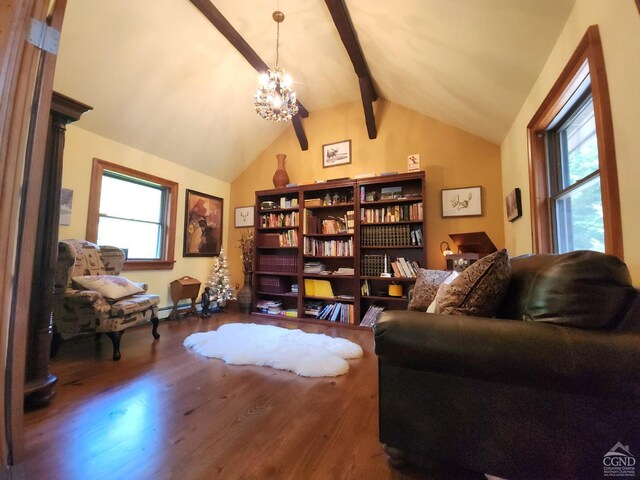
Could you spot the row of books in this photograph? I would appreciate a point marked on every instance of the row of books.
(371, 317)
(277, 220)
(337, 312)
(330, 224)
(391, 236)
(372, 265)
(273, 284)
(278, 263)
(405, 268)
(394, 213)
(328, 248)
(284, 239)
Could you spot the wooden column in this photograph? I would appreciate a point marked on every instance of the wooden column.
(39, 382)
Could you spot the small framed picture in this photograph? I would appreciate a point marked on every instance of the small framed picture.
(514, 205)
(335, 154)
(244, 217)
(462, 202)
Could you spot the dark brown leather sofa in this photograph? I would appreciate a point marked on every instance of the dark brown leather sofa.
(547, 396)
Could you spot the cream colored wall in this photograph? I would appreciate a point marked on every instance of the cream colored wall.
(619, 24)
(450, 157)
(82, 146)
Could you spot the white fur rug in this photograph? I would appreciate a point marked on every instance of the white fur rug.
(307, 354)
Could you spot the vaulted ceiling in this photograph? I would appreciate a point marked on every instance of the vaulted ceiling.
(163, 80)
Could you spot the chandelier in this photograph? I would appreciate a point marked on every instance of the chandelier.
(274, 99)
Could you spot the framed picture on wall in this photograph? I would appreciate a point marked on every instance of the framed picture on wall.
(462, 202)
(202, 225)
(514, 205)
(244, 217)
(336, 154)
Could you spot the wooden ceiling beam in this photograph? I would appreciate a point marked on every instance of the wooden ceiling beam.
(343, 24)
(218, 20)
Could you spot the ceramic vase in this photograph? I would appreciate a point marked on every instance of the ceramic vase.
(244, 294)
(280, 178)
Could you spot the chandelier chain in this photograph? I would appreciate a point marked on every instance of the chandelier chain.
(277, 43)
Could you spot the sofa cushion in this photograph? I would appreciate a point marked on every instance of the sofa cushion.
(582, 289)
(479, 289)
(111, 287)
(426, 287)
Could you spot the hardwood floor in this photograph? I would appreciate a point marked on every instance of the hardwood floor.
(163, 412)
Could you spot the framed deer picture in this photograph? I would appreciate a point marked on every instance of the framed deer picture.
(462, 202)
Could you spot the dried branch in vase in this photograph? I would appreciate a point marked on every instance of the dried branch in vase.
(246, 247)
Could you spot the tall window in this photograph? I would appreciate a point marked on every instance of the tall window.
(134, 211)
(574, 186)
(573, 176)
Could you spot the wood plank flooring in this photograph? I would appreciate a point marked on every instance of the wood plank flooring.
(164, 412)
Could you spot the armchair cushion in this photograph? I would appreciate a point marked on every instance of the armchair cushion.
(111, 287)
(132, 304)
(479, 289)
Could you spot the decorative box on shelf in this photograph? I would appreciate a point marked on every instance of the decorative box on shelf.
(185, 287)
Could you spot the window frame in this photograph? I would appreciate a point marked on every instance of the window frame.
(586, 64)
(170, 214)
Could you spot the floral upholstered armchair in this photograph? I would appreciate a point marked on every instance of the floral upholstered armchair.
(90, 296)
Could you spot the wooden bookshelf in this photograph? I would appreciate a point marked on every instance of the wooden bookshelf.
(389, 207)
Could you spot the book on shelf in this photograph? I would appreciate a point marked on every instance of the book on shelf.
(344, 271)
(365, 288)
(371, 317)
(337, 309)
(317, 288)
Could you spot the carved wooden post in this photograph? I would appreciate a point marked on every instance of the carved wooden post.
(39, 382)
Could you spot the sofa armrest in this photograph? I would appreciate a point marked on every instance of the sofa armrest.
(513, 352)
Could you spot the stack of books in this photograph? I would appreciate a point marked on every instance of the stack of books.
(313, 307)
(314, 267)
(272, 307)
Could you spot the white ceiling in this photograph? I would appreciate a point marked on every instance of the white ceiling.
(162, 79)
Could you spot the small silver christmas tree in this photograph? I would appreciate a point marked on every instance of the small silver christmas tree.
(219, 281)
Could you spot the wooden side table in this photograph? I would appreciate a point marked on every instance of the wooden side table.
(185, 287)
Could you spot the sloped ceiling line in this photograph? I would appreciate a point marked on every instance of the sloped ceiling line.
(218, 20)
(343, 24)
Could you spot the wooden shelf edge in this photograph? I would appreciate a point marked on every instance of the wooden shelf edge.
(314, 321)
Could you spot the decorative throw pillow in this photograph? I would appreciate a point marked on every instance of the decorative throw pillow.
(426, 287)
(111, 287)
(479, 289)
(442, 290)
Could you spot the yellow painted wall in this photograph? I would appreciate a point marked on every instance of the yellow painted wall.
(82, 146)
(619, 24)
(450, 157)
